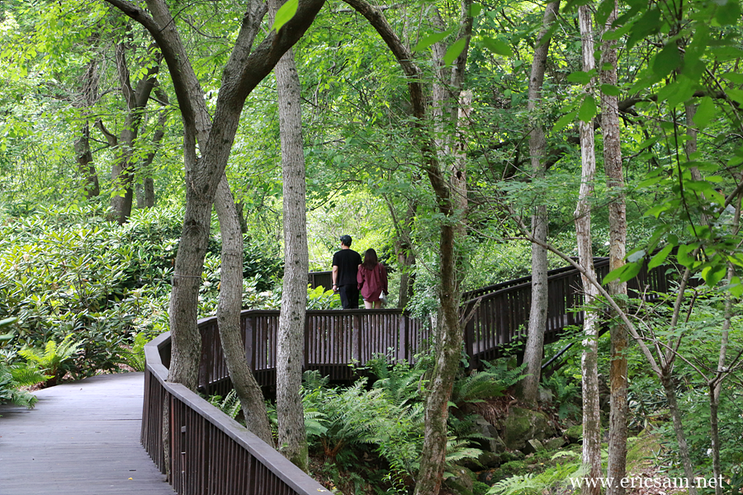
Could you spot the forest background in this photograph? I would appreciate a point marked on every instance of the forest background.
(451, 137)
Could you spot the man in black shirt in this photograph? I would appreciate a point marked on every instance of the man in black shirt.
(345, 266)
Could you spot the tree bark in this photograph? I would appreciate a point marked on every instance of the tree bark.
(290, 340)
(534, 350)
(617, 459)
(448, 330)
(83, 155)
(146, 193)
(123, 169)
(243, 71)
(228, 316)
(722, 370)
(589, 361)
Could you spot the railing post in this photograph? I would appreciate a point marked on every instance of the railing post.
(469, 335)
(248, 336)
(356, 329)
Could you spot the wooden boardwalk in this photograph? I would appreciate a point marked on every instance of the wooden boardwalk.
(82, 438)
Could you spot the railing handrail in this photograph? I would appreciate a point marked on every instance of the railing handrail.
(278, 465)
(525, 281)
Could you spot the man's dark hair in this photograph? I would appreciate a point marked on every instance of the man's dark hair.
(346, 240)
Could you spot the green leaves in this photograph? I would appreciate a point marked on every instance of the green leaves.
(497, 46)
(587, 109)
(666, 60)
(648, 24)
(728, 12)
(660, 257)
(285, 14)
(455, 50)
(429, 40)
(705, 113)
(581, 77)
(564, 121)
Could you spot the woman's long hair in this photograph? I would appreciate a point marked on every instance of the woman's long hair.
(370, 259)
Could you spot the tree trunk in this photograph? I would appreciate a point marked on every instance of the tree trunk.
(678, 427)
(146, 189)
(534, 350)
(617, 462)
(448, 352)
(123, 169)
(404, 249)
(228, 316)
(452, 203)
(203, 173)
(290, 340)
(85, 164)
(589, 361)
(83, 155)
(722, 369)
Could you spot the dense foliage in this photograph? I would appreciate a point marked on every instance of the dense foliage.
(82, 289)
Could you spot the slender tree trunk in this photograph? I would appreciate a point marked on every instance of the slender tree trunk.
(145, 192)
(85, 164)
(722, 371)
(617, 462)
(669, 386)
(83, 155)
(404, 249)
(123, 169)
(534, 350)
(290, 352)
(228, 316)
(589, 362)
(448, 352)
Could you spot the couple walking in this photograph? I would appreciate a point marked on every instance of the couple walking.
(350, 276)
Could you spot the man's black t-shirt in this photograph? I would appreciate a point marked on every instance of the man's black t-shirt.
(347, 261)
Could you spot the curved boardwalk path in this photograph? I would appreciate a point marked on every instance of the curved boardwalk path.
(82, 438)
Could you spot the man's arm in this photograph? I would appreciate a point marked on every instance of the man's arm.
(335, 277)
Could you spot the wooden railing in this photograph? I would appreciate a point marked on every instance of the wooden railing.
(207, 452)
(324, 279)
(497, 317)
(332, 340)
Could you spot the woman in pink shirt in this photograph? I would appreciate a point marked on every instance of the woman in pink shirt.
(372, 279)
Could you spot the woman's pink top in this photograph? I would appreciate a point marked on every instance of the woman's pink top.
(372, 282)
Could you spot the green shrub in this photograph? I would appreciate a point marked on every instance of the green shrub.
(69, 271)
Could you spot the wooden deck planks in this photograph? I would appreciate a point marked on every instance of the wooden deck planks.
(82, 438)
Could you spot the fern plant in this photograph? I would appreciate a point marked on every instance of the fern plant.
(561, 475)
(230, 404)
(134, 357)
(53, 359)
(492, 381)
(13, 377)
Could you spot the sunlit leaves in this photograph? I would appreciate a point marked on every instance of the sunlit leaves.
(587, 109)
(454, 50)
(660, 257)
(563, 121)
(285, 13)
(430, 39)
